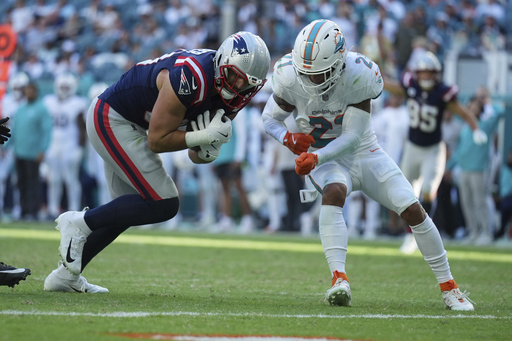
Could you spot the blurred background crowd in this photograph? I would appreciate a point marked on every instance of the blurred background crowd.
(68, 51)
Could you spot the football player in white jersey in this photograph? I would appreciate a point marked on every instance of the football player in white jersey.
(66, 150)
(329, 90)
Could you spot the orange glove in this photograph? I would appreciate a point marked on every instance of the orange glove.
(298, 142)
(305, 163)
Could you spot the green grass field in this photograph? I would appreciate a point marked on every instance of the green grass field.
(202, 284)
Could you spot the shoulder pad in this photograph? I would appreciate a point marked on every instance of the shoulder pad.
(283, 75)
(362, 76)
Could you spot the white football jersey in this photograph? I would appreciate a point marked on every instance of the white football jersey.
(322, 116)
(10, 105)
(64, 113)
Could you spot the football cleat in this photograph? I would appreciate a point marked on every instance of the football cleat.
(73, 235)
(10, 276)
(340, 293)
(454, 298)
(61, 279)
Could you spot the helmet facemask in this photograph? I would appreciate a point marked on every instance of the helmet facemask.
(320, 82)
(236, 88)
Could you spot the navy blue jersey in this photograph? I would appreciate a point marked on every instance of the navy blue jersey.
(191, 74)
(426, 109)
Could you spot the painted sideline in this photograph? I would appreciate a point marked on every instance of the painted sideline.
(125, 314)
(257, 245)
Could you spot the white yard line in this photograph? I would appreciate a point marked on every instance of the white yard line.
(124, 314)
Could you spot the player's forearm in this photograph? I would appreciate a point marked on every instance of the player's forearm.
(339, 147)
(275, 128)
(170, 142)
(355, 123)
(273, 117)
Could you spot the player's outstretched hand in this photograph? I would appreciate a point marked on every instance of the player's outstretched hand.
(305, 163)
(4, 130)
(298, 142)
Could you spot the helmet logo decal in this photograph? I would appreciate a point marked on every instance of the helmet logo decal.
(339, 39)
(310, 44)
(239, 45)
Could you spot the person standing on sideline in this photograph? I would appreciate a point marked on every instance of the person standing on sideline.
(65, 155)
(473, 161)
(31, 135)
(185, 99)
(10, 103)
(424, 155)
(329, 90)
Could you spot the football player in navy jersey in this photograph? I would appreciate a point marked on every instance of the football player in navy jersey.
(424, 154)
(183, 100)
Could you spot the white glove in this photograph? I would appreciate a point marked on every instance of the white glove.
(208, 152)
(479, 137)
(206, 132)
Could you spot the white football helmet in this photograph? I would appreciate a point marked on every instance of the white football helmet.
(319, 55)
(17, 83)
(428, 62)
(242, 58)
(65, 85)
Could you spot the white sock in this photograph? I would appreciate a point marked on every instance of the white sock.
(334, 236)
(431, 246)
(65, 273)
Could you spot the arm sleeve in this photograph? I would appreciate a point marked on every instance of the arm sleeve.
(355, 123)
(273, 120)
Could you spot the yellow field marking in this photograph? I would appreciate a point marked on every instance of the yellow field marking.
(257, 245)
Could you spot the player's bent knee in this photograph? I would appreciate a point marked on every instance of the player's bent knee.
(334, 194)
(166, 209)
(414, 214)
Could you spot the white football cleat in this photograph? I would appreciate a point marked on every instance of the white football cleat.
(62, 280)
(73, 235)
(339, 294)
(457, 300)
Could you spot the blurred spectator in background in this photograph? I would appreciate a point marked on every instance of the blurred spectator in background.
(403, 43)
(65, 154)
(448, 213)
(11, 101)
(391, 124)
(228, 168)
(505, 194)
(31, 130)
(473, 160)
